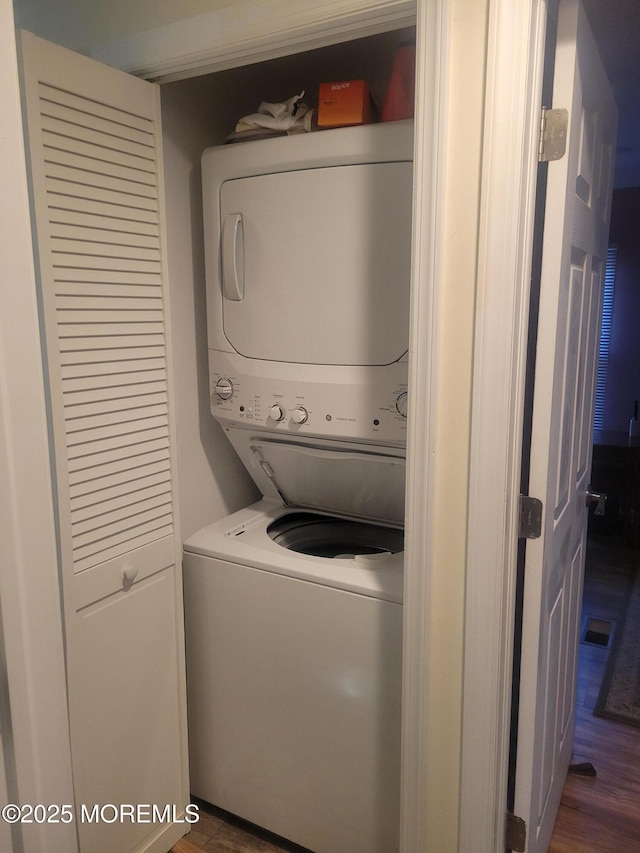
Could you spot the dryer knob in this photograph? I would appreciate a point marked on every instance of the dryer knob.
(299, 415)
(276, 412)
(401, 404)
(224, 389)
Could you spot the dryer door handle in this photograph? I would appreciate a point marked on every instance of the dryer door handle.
(233, 257)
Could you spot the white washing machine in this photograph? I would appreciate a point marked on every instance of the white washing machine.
(294, 645)
(293, 606)
(294, 675)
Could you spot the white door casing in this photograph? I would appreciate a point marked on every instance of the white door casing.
(505, 240)
(574, 253)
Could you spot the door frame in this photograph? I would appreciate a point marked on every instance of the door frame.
(512, 129)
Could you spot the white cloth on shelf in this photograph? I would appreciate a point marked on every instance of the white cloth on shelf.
(292, 116)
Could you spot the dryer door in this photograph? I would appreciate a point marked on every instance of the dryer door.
(315, 264)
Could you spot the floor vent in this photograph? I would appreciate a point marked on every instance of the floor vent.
(597, 632)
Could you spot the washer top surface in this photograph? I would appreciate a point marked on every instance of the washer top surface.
(367, 558)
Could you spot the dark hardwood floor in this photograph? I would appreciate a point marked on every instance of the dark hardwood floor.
(601, 814)
(219, 832)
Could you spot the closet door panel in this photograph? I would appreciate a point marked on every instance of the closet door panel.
(128, 636)
(96, 181)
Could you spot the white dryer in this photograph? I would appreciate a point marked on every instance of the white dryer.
(293, 606)
(308, 254)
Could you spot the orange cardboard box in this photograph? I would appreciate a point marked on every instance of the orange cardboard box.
(341, 104)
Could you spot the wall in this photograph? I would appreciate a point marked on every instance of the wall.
(212, 482)
(623, 380)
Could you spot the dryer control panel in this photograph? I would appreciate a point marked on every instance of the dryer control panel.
(344, 402)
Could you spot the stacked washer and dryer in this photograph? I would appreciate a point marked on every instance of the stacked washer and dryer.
(294, 605)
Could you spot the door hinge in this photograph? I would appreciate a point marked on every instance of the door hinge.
(553, 134)
(530, 523)
(515, 832)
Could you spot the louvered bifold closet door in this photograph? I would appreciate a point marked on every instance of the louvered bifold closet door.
(95, 159)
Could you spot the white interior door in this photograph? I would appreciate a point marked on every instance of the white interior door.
(574, 253)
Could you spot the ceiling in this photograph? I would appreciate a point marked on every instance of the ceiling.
(616, 26)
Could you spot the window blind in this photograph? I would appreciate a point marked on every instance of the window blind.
(605, 338)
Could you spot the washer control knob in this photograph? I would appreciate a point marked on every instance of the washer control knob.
(224, 389)
(401, 404)
(276, 412)
(299, 415)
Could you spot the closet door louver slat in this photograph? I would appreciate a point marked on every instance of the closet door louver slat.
(102, 232)
(92, 140)
(148, 479)
(83, 163)
(65, 219)
(81, 445)
(140, 388)
(112, 347)
(117, 293)
(109, 196)
(125, 373)
(101, 465)
(74, 207)
(83, 112)
(98, 506)
(71, 360)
